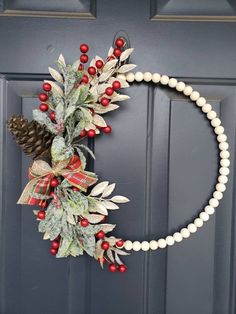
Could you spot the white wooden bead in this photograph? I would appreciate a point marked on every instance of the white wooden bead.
(215, 122)
(185, 233)
(192, 228)
(164, 79)
(170, 240)
(198, 222)
(221, 138)
(145, 246)
(136, 246)
(201, 101)
(162, 243)
(121, 77)
(214, 202)
(224, 171)
(172, 82)
(177, 237)
(211, 115)
(209, 210)
(180, 86)
(194, 95)
(217, 195)
(219, 130)
(206, 108)
(204, 216)
(147, 76)
(220, 187)
(225, 162)
(156, 77)
(128, 245)
(187, 90)
(138, 76)
(223, 146)
(223, 179)
(153, 245)
(224, 154)
(130, 77)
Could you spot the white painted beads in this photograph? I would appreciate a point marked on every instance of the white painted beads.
(224, 154)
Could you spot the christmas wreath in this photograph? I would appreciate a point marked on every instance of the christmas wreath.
(73, 206)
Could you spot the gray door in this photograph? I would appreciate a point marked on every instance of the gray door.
(161, 154)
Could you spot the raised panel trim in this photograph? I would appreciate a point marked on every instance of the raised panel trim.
(155, 15)
(91, 14)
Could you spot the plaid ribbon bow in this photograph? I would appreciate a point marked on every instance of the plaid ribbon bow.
(41, 173)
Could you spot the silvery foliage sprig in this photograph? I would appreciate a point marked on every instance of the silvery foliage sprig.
(71, 100)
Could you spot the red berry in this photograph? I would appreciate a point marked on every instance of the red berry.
(53, 251)
(43, 97)
(120, 243)
(109, 91)
(91, 133)
(83, 133)
(43, 107)
(92, 70)
(84, 222)
(100, 234)
(55, 244)
(41, 214)
(103, 260)
(105, 245)
(47, 87)
(81, 67)
(75, 189)
(52, 115)
(51, 194)
(117, 52)
(112, 268)
(116, 85)
(99, 64)
(119, 42)
(122, 268)
(107, 129)
(104, 101)
(84, 48)
(84, 58)
(85, 79)
(54, 183)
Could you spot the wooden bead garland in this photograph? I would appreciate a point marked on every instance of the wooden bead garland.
(224, 155)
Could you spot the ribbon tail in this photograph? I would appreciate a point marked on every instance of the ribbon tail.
(25, 195)
(82, 179)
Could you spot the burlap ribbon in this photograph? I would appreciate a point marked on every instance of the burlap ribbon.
(41, 173)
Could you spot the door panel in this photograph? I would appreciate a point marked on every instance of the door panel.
(162, 155)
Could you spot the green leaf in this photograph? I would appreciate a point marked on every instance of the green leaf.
(88, 150)
(70, 78)
(59, 110)
(89, 244)
(59, 150)
(64, 248)
(76, 248)
(43, 119)
(84, 90)
(69, 111)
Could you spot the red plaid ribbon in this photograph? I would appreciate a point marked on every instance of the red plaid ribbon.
(41, 173)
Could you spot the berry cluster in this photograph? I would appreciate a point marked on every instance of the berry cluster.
(105, 245)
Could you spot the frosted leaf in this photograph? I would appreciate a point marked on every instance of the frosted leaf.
(99, 188)
(119, 199)
(126, 68)
(108, 190)
(56, 75)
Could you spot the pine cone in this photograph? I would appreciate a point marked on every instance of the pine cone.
(33, 138)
